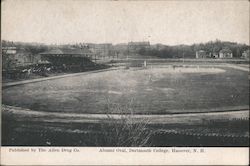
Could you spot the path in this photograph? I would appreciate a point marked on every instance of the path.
(185, 118)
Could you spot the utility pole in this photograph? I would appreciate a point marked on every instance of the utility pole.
(183, 57)
(128, 51)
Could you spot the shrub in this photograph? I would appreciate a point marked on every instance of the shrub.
(124, 129)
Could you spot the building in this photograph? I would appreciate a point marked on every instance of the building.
(68, 56)
(225, 53)
(9, 50)
(8, 57)
(245, 54)
(201, 54)
(14, 57)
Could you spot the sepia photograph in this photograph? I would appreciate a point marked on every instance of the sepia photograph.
(125, 73)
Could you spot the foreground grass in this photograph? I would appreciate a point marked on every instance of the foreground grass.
(26, 127)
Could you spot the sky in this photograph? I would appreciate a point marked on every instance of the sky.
(167, 22)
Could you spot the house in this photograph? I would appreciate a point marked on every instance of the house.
(225, 53)
(13, 57)
(245, 54)
(201, 54)
(9, 50)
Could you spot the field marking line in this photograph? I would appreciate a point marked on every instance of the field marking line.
(238, 67)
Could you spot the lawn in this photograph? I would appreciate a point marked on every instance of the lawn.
(144, 91)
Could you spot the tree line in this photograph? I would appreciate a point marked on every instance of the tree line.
(188, 51)
(178, 51)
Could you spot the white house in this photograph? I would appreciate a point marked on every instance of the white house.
(225, 53)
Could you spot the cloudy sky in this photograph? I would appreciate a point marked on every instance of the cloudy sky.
(167, 22)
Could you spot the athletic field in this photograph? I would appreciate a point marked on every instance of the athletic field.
(152, 90)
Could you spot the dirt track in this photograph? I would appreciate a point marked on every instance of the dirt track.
(200, 129)
(184, 118)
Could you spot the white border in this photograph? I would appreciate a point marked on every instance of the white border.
(94, 156)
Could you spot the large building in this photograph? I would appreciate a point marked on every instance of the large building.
(68, 56)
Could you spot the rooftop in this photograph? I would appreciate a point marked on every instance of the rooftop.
(67, 51)
(225, 50)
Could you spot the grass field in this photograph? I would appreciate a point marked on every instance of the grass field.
(149, 91)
